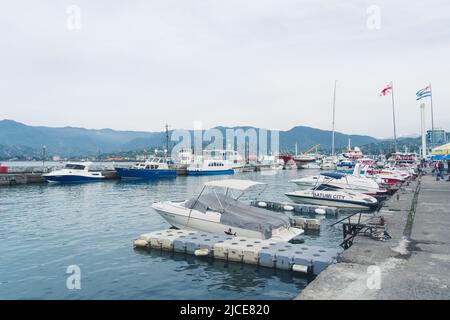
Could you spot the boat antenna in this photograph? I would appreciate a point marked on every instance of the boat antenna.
(334, 114)
(167, 140)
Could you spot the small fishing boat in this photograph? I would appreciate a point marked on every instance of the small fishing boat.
(217, 209)
(74, 172)
(150, 169)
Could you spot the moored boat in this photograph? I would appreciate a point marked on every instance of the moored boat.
(210, 167)
(150, 169)
(333, 198)
(74, 172)
(219, 211)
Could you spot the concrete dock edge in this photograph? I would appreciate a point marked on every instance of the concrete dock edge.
(414, 264)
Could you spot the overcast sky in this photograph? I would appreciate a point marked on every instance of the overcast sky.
(136, 65)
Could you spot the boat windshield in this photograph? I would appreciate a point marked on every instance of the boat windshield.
(74, 166)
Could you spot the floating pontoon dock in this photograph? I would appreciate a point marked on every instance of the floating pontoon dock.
(295, 207)
(266, 253)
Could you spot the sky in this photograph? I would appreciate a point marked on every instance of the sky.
(137, 65)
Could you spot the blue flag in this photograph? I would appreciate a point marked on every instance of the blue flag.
(423, 93)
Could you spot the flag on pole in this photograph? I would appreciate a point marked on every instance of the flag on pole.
(386, 90)
(423, 93)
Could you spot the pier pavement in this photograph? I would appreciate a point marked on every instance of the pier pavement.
(414, 264)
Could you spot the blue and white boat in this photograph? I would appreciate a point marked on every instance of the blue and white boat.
(210, 167)
(74, 172)
(154, 168)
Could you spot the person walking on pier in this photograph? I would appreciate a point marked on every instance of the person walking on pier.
(435, 169)
(441, 169)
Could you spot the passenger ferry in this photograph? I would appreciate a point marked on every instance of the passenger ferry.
(153, 168)
(210, 167)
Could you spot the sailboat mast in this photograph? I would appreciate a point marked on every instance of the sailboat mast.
(393, 117)
(334, 114)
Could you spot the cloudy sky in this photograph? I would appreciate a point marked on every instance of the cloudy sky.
(136, 65)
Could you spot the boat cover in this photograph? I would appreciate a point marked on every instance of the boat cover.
(238, 214)
(334, 175)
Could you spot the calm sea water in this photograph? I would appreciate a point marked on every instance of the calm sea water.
(46, 228)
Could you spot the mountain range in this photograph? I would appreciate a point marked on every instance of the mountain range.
(18, 139)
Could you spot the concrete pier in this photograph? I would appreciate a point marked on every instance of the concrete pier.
(414, 264)
(12, 179)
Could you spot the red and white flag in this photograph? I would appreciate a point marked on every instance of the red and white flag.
(386, 90)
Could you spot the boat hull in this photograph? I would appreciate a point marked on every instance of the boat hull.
(209, 173)
(130, 173)
(71, 178)
(351, 204)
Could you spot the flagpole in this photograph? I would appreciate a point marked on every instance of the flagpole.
(393, 116)
(432, 116)
(334, 109)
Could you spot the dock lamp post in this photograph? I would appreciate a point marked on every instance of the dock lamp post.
(423, 127)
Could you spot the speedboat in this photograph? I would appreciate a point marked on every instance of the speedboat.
(334, 198)
(268, 162)
(310, 165)
(150, 169)
(328, 163)
(345, 165)
(340, 181)
(217, 209)
(74, 172)
(290, 165)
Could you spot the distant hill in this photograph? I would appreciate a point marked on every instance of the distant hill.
(19, 139)
(387, 145)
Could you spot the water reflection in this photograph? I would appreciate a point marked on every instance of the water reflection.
(227, 275)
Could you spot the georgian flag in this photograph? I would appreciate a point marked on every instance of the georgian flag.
(386, 90)
(423, 93)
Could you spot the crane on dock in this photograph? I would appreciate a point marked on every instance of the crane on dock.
(311, 149)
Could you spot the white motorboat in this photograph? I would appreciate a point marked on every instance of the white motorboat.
(74, 172)
(290, 165)
(340, 181)
(217, 209)
(333, 198)
(310, 165)
(329, 163)
(268, 162)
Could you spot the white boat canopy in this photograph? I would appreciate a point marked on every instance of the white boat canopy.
(236, 184)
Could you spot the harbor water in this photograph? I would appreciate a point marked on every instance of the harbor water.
(46, 228)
